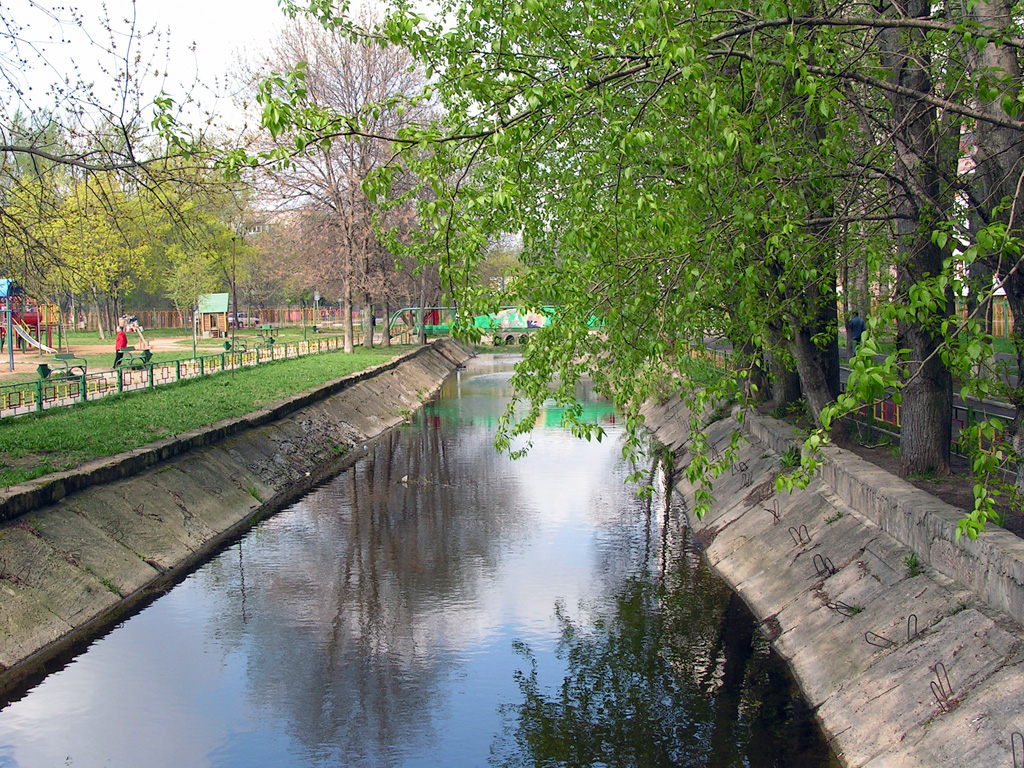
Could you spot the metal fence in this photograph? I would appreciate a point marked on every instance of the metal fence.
(59, 391)
(883, 414)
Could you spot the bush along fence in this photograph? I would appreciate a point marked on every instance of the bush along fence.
(62, 390)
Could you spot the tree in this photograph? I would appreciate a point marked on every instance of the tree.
(99, 150)
(680, 173)
(96, 133)
(342, 251)
(104, 243)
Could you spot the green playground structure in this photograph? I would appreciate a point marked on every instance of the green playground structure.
(508, 326)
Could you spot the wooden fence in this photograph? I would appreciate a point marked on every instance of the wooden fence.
(327, 317)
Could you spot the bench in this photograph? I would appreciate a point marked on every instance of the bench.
(66, 365)
(266, 339)
(134, 358)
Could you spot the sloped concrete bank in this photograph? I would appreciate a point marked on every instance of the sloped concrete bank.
(71, 563)
(905, 665)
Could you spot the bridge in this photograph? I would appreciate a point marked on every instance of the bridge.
(509, 326)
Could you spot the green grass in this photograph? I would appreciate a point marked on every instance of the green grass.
(35, 445)
(913, 564)
(99, 353)
(702, 373)
(791, 457)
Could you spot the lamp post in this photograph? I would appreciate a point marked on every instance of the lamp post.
(234, 300)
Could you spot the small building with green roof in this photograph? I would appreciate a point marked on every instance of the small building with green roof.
(213, 315)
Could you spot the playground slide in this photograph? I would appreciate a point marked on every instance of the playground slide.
(28, 339)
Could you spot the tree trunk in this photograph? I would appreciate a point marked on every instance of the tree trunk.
(748, 358)
(423, 306)
(817, 365)
(99, 313)
(785, 384)
(812, 340)
(926, 413)
(847, 311)
(385, 332)
(346, 317)
(367, 322)
(858, 288)
(1015, 432)
(999, 164)
(785, 381)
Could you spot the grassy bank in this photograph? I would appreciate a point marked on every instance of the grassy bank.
(31, 446)
(166, 345)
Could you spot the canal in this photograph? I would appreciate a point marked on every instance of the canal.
(438, 605)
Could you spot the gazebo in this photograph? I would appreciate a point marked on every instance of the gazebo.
(213, 315)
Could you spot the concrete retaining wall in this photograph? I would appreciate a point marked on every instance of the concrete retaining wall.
(825, 570)
(992, 566)
(15, 500)
(86, 545)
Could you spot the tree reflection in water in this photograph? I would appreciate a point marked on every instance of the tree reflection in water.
(370, 625)
(671, 673)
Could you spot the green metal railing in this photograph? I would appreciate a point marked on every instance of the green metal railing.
(60, 391)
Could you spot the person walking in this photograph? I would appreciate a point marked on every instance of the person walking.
(857, 327)
(120, 342)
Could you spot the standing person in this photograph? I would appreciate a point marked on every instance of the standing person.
(132, 324)
(857, 327)
(120, 342)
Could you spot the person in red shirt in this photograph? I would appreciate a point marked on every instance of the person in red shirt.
(120, 342)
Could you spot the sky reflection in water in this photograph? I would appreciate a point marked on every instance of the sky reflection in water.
(382, 621)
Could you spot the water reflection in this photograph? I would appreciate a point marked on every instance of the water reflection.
(405, 615)
(668, 672)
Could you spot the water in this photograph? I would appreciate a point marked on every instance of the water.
(437, 605)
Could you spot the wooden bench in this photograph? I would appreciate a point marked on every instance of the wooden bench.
(134, 358)
(65, 364)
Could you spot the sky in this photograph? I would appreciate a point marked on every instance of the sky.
(220, 30)
(218, 27)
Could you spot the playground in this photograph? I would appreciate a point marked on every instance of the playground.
(98, 352)
(33, 335)
(39, 378)
(42, 339)
(26, 324)
(52, 364)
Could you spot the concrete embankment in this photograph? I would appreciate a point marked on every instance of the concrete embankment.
(80, 548)
(905, 664)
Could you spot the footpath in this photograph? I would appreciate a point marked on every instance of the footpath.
(906, 642)
(81, 547)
